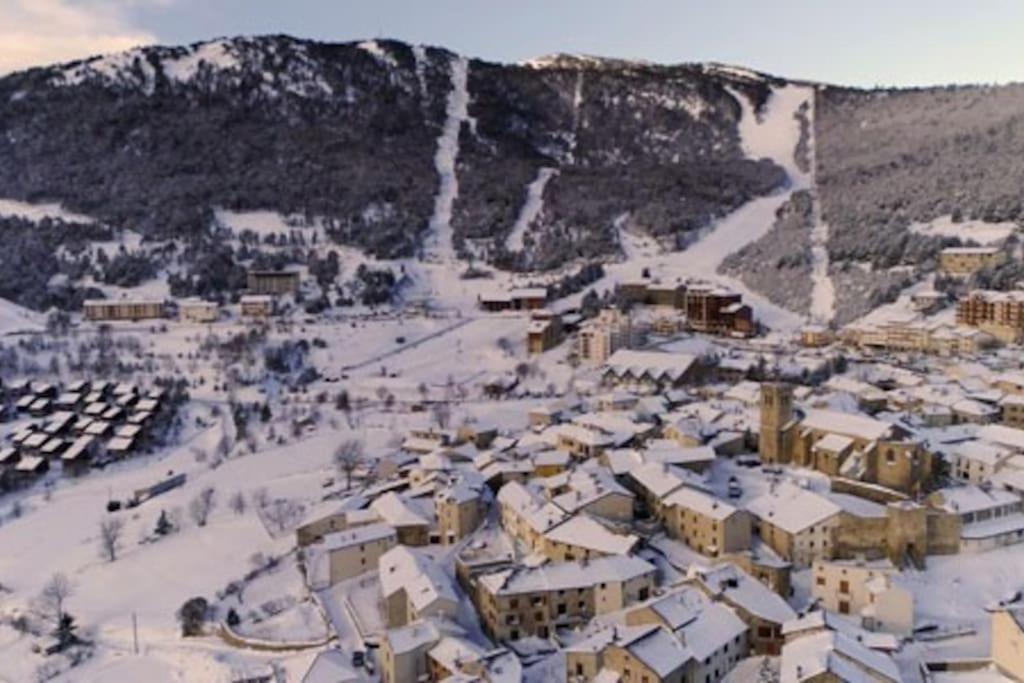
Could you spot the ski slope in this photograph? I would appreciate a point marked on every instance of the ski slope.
(531, 209)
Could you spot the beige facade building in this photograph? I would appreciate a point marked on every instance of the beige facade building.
(969, 260)
(460, 508)
(257, 305)
(602, 336)
(123, 309)
(1000, 314)
(346, 554)
(414, 587)
(1007, 648)
(799, 525)
(864, 589)
(520, 602)
(198, 311)
(544, 331)
(708, 525)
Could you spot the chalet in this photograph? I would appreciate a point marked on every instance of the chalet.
(75, 460)
(119, 446)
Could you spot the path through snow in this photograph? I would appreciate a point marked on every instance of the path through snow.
(438, 244)
(823, 293)
(531, 208)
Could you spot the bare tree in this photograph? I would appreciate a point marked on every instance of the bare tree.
(442, 414)
(238, 503)
(202, 505)
(111, 530)
(53, 597)
(348, 457)
(282, 513)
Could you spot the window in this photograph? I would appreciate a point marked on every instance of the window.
(844, 586)
(844, 607)
(820, 581)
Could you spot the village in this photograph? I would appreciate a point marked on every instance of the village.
(658, 488)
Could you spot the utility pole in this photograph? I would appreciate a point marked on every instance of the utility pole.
(135, 632)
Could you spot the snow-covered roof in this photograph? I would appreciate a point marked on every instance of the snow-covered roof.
(812, 656)
(967, 499)
(738, 588)
(339, 540)
(396, 511)
(566, 575)
(701, 503)
(1003, 435)
(330, 666)
(655, 364)
(660, 479)
(584, 532)
(422, 579)
(792, 508)
(848, 424)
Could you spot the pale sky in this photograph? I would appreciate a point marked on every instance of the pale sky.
(865, 42)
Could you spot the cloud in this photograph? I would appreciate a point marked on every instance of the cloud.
(40, 32)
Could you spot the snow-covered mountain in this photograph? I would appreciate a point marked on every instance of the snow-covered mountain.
(402, 150)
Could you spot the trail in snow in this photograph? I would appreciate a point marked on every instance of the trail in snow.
(419, 54)
(775, 137)
(776, 134)
(823, 293)
(531, 208)
(14, 318)
(439, 241)
(577, 102)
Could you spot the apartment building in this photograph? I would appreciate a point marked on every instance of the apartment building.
(459, 508)
(522, 601)
(799, 525)
(346, 554)
(703, 522)
(544, 331)
(602, 336)
(864, 589)
(968, 260)
(414, 587)
(1000, 314)
(716, 310)
(123, 309)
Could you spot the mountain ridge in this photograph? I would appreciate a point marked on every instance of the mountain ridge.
(350, 133)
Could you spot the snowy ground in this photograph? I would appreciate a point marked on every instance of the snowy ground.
(14, 318)
(531, 208)
(37, 212)
(977, 231)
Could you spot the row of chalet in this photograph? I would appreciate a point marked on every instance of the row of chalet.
(82, 425)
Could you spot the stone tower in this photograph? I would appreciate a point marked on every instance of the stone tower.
(776, 412)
